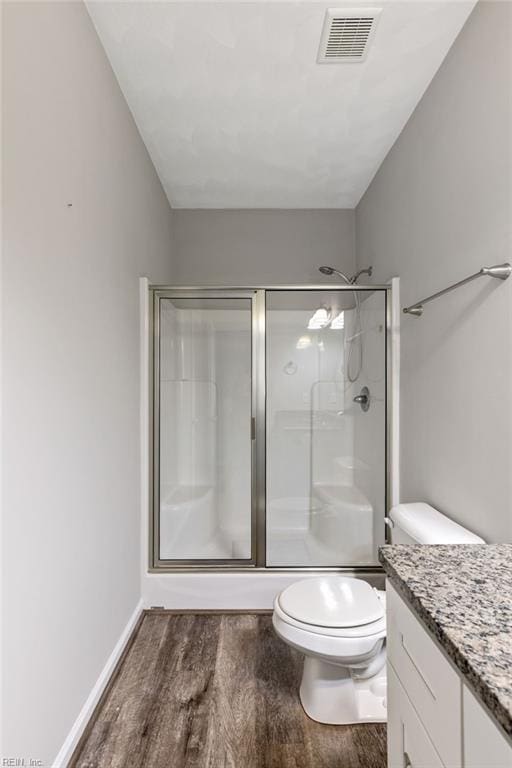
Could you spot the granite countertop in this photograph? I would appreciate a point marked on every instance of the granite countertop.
(463, 594)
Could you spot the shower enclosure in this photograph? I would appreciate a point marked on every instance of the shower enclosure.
(269, 437)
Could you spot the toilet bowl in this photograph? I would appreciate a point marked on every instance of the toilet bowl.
(339, 624)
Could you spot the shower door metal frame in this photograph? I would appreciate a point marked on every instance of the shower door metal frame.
(257, 426)
(257, 294)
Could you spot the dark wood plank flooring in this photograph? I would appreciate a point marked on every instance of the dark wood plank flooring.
(217, 691)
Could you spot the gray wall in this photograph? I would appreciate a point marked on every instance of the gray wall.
(260, 246)
(71, 498)
(438, 209)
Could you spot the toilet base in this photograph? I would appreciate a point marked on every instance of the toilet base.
(331, 694)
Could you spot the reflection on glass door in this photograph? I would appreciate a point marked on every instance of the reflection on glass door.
(326, 454)
(203, 429)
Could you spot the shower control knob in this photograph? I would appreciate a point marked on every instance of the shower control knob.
(363, 398)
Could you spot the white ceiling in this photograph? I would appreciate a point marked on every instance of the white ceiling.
(235, 111)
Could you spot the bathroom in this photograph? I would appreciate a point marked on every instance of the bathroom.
(254, 513)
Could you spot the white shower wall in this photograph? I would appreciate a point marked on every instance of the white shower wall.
(233, 360)
(187, 398)
(294, 393)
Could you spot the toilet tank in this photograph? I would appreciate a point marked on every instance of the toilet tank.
(420, 523)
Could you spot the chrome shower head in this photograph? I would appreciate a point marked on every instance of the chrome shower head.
(326, 270)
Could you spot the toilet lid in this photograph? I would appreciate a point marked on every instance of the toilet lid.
(332, 601)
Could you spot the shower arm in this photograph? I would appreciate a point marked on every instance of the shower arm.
(368, 271)
(348, 280)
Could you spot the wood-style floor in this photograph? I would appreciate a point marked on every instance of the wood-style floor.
(217, 691)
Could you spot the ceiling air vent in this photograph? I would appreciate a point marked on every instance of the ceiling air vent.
(347, 34)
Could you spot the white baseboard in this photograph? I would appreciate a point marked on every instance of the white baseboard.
(87, 710)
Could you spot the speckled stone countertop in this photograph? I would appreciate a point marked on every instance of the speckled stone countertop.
(463, 594)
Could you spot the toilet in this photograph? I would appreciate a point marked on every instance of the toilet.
(339, 624)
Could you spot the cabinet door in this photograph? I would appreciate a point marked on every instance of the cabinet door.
(408, 743)
(432, 684)
(485, 746)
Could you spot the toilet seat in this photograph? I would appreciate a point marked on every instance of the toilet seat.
(352, 639)
(335, 646)
(336, 606)
(365, 630)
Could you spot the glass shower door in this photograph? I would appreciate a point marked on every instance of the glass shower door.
(326, 450)
(203, 429)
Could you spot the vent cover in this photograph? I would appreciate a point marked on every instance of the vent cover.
(347, 34)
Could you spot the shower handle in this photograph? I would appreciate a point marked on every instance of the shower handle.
(363, 398)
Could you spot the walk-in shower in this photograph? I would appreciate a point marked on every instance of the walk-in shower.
(269, 412)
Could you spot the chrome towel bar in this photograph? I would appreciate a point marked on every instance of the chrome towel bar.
(500, 271)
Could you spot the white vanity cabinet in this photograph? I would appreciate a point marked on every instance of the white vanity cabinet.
(434, 721)
(484, 744)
